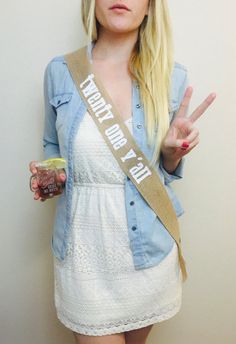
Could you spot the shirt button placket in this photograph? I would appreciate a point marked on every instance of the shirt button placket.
(133, 227)
(139, 126)
(138, 106)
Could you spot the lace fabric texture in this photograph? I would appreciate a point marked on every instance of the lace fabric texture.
(97, 290)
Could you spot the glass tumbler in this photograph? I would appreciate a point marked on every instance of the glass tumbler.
(47, 177)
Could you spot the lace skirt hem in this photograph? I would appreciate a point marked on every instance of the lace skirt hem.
(121, 326)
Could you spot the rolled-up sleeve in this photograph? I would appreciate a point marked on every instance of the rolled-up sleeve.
(50, 139)
(176, 174)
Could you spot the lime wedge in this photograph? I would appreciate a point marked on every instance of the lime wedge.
(55, 162)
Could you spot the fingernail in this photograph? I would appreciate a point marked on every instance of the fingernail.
(185, 145)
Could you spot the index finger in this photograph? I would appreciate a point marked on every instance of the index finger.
(185, 102)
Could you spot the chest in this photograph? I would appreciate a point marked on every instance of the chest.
(118, 83)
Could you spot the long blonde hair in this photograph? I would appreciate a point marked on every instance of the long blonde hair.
(151, 64)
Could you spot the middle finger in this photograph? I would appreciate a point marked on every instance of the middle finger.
(202, 107)
(33, 183)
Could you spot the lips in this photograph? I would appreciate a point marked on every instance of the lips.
(119, 6)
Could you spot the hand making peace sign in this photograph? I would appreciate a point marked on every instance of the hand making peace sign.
(182, 136)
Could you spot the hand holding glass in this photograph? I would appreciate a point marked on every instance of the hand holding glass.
(48, 177)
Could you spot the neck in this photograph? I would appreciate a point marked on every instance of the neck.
(115, 47)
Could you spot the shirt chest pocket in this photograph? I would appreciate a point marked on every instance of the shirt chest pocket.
(61, 104)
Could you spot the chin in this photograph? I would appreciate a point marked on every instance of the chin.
(120, 28)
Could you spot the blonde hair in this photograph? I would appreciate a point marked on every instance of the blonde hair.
(151, 64)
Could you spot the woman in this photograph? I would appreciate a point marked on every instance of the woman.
(105, 290)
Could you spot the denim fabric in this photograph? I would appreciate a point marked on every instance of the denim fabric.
(150, 242)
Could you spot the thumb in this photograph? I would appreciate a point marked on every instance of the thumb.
(62, 177)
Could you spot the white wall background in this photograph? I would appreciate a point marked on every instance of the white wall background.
(31, 33)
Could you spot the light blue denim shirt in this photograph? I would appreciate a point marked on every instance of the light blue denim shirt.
(149, 240)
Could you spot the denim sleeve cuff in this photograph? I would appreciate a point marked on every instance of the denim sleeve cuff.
(51, 150)
(176, 174)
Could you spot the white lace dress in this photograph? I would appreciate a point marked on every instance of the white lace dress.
(97, 290)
